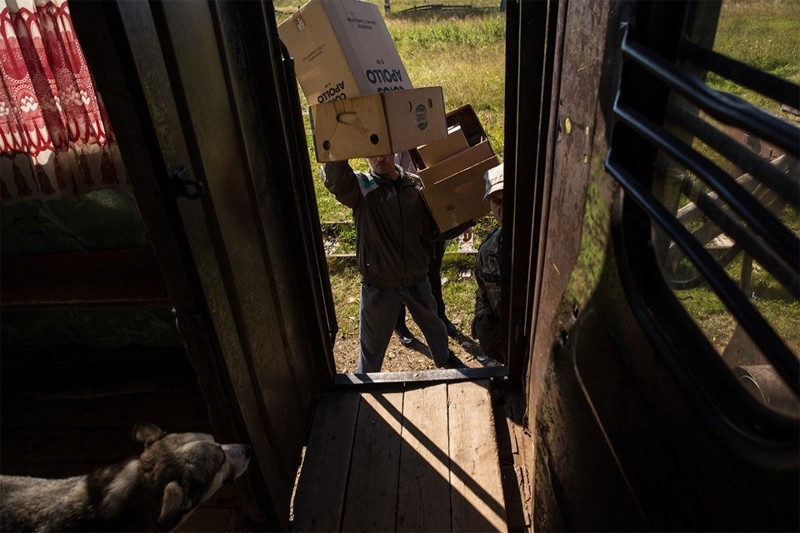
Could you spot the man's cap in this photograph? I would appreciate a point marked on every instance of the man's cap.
(494, 180)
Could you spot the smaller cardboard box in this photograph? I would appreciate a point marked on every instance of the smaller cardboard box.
(464, 117)
(458, 162)
(453, 188)
(438, 151)
(342, 49)
(377, 124)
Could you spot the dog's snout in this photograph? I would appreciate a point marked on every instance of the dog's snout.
(247, 451)
(239, 449)
(238, 458)
(239, 455)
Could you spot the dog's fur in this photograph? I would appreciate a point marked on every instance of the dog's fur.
(153, 492)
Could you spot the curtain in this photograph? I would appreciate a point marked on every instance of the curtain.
(55, 138)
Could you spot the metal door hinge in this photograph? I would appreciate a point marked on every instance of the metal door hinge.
(183, 185)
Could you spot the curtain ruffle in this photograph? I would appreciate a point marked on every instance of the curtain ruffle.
(55, 138)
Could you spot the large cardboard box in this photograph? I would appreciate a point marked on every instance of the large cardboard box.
(453, 188)
(342, 49)
(378, 124)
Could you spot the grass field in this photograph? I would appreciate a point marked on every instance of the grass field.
(761, 33)
(463, 50)
(765, 34)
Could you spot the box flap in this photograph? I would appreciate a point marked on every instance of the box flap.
(438, 151)
(458, 162)
(459, 198)
(471, 127)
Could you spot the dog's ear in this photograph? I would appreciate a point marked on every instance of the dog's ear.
(173, 505)
(147, 433)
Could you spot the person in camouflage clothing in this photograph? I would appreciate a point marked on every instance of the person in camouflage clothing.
(486, 324)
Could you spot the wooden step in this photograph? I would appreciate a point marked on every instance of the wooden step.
(420, 457)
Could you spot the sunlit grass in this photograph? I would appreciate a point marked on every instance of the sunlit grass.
(464, 52)
(763, 34)
(713, 318)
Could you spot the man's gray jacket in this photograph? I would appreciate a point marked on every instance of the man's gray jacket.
(394, 228)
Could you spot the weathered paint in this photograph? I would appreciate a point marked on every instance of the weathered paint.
(594, 237)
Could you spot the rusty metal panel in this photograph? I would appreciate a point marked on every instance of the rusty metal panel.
(577, 227)
(625, 431)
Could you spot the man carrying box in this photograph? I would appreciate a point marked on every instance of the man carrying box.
(394, 242)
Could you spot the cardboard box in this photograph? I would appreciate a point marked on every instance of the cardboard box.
(438, 151)
(452, 165)
(377, 124)
(464, 117)
(342, 49)
(453, 188)
(459, 197)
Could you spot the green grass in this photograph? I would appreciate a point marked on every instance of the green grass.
(712, 317)
(764, 34)
(463, 51)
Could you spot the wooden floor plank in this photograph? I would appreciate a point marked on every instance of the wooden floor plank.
(426, 459)
(123, 410)
(323, 478)
(103, 277)
(424, 499)
(90, 445)
(477, 492)
(212, 519)
(372, 489)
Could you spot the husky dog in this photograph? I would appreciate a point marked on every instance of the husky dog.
(153, 492)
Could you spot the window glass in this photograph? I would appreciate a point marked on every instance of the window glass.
(766, 37)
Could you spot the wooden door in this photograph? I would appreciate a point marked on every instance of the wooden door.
(201, 105)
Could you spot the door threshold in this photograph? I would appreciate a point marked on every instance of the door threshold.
(450, 374)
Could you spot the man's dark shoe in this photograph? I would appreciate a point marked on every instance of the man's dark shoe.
(404, 335)
(451, 328)
(453, 362)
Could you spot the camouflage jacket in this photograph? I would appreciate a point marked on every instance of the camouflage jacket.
(486, 325)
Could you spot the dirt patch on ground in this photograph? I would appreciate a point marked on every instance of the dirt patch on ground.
(400, 358)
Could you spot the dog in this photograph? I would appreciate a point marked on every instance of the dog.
(155, 491)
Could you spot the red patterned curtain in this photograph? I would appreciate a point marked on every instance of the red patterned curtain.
(55, 138)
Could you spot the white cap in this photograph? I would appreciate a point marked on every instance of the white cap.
(494, 180)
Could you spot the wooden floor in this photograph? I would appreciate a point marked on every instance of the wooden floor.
(418, 458)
